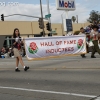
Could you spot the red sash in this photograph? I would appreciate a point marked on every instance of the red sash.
(19, 46)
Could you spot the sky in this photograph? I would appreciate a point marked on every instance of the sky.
(32, 7)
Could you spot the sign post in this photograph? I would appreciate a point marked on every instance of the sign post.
(53, 32)
(69, 25)
(47, 16)
(66, 5)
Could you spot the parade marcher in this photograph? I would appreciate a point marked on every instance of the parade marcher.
(82, 32)
(94, 35)
(17, 41)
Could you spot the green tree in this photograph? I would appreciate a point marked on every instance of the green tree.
(73, 19)
(94, 16)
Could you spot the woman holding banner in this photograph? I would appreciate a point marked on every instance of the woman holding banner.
(17, 42)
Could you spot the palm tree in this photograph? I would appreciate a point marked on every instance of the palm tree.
(73, 19)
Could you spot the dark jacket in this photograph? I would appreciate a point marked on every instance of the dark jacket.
(18, 44)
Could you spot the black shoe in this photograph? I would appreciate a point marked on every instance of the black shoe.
(93, 57)
(17, 70)
(26, 68)
(83, 56)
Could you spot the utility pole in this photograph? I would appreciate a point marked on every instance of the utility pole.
(42, 17)
(49, 17)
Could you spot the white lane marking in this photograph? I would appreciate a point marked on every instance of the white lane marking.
(50, 92)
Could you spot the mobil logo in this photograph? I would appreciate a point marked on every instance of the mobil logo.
(67, 3)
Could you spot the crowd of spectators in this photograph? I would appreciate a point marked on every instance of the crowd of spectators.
(8, 52)
(87, 31)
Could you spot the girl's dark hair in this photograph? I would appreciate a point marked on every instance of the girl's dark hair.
(14, 34)
(81, 28)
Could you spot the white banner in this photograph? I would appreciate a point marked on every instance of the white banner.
(44, 47)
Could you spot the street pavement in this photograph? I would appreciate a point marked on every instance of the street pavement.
(66, 78)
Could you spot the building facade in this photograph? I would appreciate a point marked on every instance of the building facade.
(29, 29)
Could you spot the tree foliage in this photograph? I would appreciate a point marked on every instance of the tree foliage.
(94, 16)
(73, 19)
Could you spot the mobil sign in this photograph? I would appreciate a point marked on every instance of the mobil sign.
(65, 5)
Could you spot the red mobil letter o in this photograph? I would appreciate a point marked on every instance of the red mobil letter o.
(66, 4)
